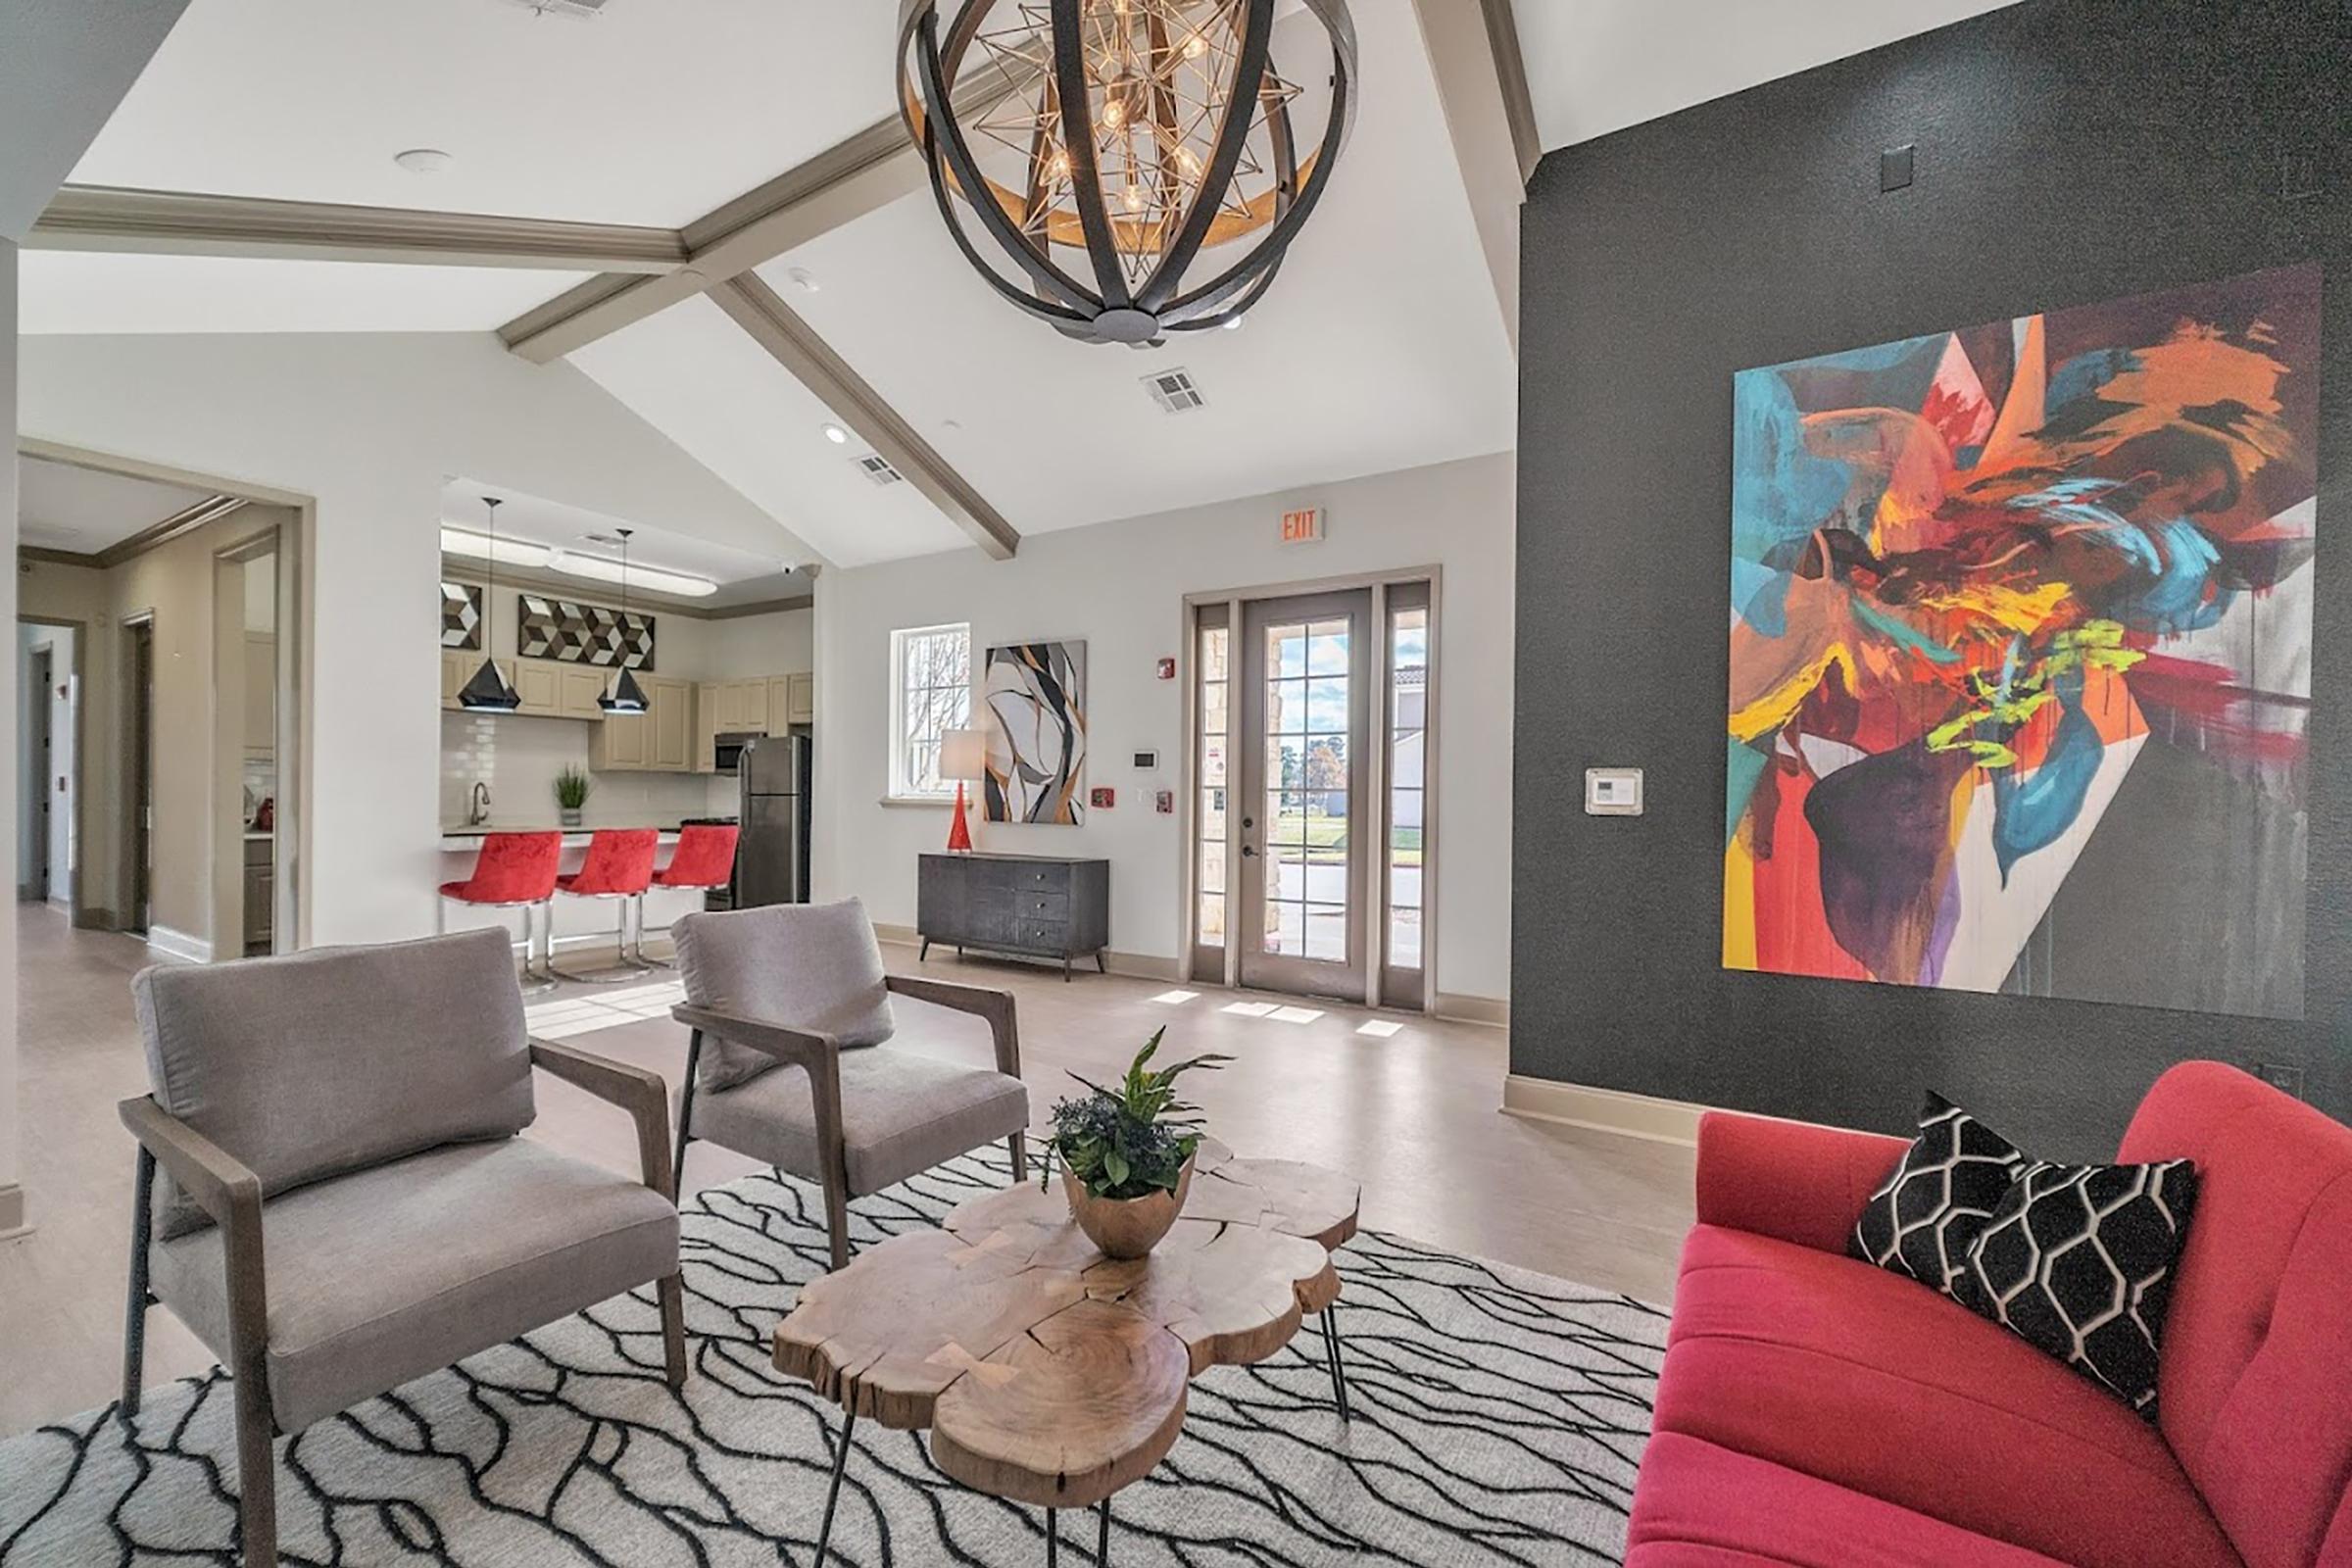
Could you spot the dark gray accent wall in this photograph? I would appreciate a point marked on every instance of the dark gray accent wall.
(2069, 151)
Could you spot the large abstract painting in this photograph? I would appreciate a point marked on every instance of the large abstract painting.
(1036, 695)
(2021, 654)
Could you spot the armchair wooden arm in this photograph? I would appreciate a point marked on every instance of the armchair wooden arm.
(220, 1185)
(997, 1007)
(642, 1094)
(813, 1051)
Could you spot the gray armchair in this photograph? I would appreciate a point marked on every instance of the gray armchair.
(789, 1010)
(344, 1204)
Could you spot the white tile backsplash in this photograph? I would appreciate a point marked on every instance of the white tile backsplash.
(519, 756)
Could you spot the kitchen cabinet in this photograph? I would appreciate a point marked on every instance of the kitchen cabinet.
(740, 707)
(791, 700)
(539, 684)
(577, 688)
(659, 740)
(457, 668)
(763, 704)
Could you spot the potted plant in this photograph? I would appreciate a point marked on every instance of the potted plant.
(571, 793)
(1127, 1154)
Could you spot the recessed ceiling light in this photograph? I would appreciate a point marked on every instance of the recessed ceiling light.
(802, 278)
(835, 433)
(422, 160)
(951, 425)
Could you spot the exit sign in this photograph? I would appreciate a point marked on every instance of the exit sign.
(1302, 527)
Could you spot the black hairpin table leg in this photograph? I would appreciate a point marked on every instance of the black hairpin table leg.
(1332, 1358)
(841, 1462)
(1053, 1539)
(1103, 1540)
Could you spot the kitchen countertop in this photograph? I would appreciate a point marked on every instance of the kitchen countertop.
(462, 837)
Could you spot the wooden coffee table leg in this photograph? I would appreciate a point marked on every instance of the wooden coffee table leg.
(1331, 1356)
(841, 1462)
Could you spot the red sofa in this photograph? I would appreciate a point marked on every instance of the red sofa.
(1817, 1411)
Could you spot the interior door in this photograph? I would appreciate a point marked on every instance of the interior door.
(1306, 826)
(142, 775)
(42, 677)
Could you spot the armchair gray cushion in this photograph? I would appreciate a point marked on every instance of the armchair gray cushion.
(383, 1276)
(901, 1113)
(306, 1067)
(813, 967)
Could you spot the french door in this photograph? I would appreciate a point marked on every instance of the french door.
(1305, 835)
(1309, 766)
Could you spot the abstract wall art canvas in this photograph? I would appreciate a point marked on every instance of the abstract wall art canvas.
(2021, 654)
(1036, 697)
(582, 634)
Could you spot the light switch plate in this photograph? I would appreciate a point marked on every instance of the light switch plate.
(1612, 792)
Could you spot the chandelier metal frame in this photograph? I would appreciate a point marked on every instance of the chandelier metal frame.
(1115, 307)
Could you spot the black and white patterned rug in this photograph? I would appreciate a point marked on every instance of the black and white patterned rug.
(1500, 1415)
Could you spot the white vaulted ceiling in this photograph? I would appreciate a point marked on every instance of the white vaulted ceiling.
(1380, 347)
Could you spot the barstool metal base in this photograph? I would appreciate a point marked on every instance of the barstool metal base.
(630, 968)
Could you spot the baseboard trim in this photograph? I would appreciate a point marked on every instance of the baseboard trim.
(12, 1212)
(178, 945)
(1456, 1008)
(1133, 966)
(93, 919)
(1607, 1110)
(1620, 1111)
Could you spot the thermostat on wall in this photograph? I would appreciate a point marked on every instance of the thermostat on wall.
(1612, 792)
(1146, 760)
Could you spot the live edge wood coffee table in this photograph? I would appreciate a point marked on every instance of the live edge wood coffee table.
(1051, 1375)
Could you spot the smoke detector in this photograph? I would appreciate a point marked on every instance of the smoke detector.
(1174, 391)
(876, 467)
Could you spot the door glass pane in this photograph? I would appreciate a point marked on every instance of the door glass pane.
(1308, 789)
(1408, 765)
(1210, 833)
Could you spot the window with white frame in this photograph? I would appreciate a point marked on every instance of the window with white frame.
(930, 694)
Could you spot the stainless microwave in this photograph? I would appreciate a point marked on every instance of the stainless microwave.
(727, 750)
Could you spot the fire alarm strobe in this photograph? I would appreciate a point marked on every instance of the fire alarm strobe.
(1103, 799)
(1168, 669)
(1164, 803)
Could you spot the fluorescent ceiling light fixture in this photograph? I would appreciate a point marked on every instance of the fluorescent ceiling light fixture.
(572, 564)
(479, 547)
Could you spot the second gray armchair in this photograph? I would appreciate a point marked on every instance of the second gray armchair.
(789, 1010)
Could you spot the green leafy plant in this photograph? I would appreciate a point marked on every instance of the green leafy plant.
(1130, 1141)
(572, 787)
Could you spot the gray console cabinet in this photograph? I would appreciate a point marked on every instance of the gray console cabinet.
(1023, 906)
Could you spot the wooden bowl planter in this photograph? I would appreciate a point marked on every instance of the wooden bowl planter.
(1127, 1227)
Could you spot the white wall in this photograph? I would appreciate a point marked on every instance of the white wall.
(780, 643)
(12, 1198)
(372, 427)
(1121, 587)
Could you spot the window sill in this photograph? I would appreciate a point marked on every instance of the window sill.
(935, 802)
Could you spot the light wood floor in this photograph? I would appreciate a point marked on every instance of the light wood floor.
(1413, 1115)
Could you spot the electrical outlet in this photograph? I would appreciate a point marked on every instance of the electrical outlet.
(1896, 167)
(2299, 174)
(2280, 1075)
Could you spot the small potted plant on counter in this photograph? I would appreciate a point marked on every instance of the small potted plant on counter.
(1127, 1154)
(571, 793)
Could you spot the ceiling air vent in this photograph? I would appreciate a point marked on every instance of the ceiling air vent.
(1174, 391)
(581, 9)
(877, 467)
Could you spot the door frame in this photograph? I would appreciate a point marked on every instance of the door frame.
(297, 577)
(36, 889)
(1232, 601)
(136, 862)
(76, 893)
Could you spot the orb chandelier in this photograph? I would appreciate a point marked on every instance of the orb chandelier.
(1102, 147)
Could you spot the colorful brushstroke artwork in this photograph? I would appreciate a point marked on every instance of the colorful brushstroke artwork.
(2021, 654)
(1035, 698)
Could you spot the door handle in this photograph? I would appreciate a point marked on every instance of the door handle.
(1248, 853)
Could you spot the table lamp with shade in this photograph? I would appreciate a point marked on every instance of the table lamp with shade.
(963, 758)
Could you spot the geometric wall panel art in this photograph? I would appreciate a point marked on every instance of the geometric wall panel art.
(461, 615)
(583, 634)
(1036, 697)
(2021, 654)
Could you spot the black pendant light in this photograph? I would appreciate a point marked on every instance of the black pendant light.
(626, 696)
(1102, 147)
(490, 691)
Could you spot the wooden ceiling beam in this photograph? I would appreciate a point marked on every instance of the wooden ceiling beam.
(105, 218)
(777, 327)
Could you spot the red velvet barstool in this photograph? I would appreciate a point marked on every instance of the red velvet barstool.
(619, 865)
(703, 861)
(511, 871)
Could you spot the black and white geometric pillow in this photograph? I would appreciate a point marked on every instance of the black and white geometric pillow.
(1939, 1195)
(2078, 1261)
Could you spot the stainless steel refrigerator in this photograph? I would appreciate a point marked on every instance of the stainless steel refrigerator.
(771, 859)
